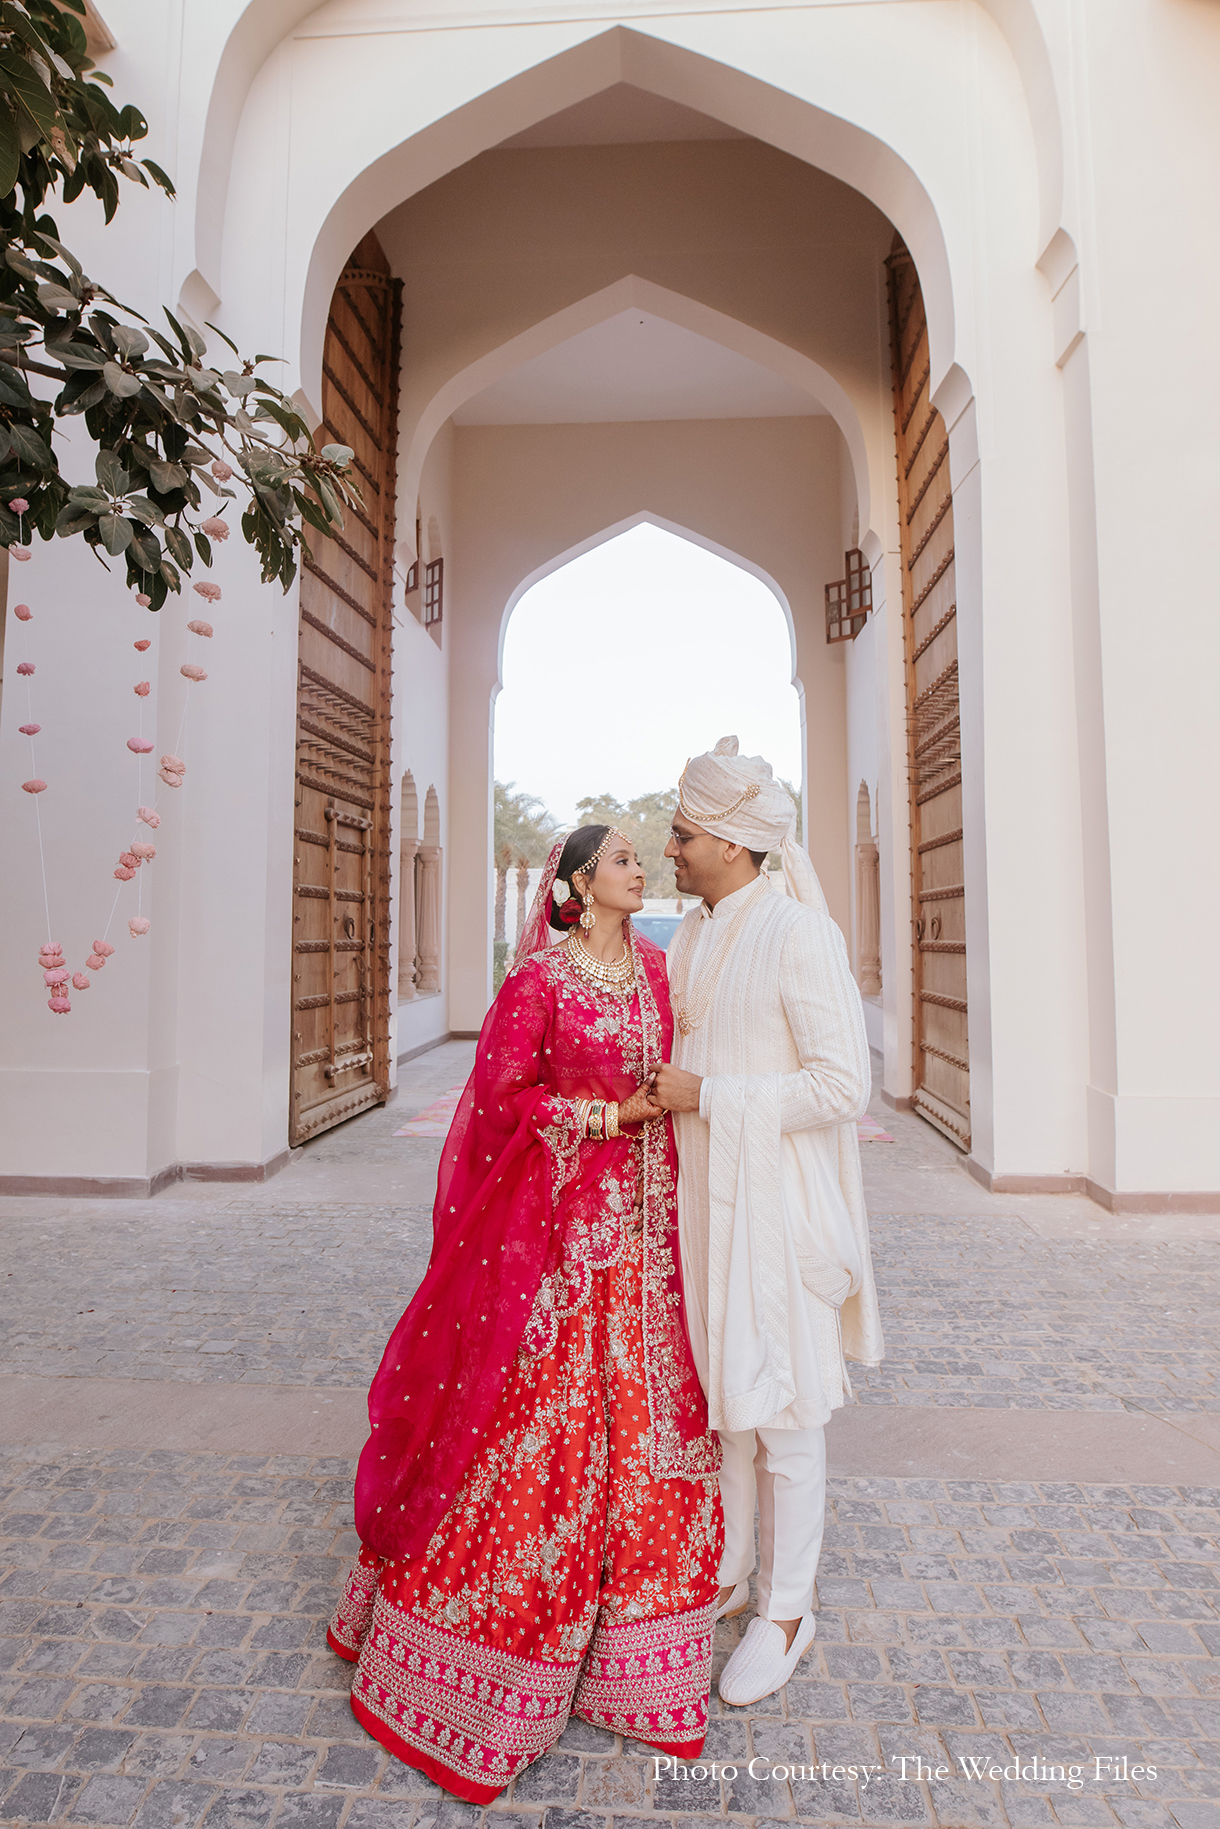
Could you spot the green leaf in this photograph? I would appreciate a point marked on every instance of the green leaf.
(224, 338)
(110, 473)
(10, 153)
(129, 340)
(166, 477)
(187, 351)
(145, 551)
(86, 496)
(171, 575)
(25, 86)
(56, 298)
(330, 501)
(292, 423)
(144, 510)
(134, 125)
(81, 403)
(31, 448)
(73, 518)
(338, 454)
(311, 512)
(166, 182)
(65, 254)
(13, 390)
(76, 355)
(179, 547)
(203, 546)
(123, 385)
(116, 533)
(20, 262)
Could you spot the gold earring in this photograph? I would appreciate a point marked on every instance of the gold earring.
(588, 919)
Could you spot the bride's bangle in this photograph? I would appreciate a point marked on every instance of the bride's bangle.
(612, 1119)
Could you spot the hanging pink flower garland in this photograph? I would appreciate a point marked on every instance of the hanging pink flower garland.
(56, 974)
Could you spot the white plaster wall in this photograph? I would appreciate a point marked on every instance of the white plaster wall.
(980, 134)
(421, 725)
(1153, 396)
(766, 491)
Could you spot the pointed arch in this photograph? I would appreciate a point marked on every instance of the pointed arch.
(675, 308)
(646, 518)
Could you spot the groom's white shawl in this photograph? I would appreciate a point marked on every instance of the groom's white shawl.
(775, 1252)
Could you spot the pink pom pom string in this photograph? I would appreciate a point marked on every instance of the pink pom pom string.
(95, 962)
(142, 691)
(141, 647)
(29, 730)
(19, 505)
(199, 627)
(20, 553)
(191, 672)
(124, 873)
(221, 471)
(34, 787)
(23, 612)
(26, 668)
(208, 590)
(60, 1005)
(80, 982)
(143, 599)
(58, 976)
(150, 816)
(216, 528)
(138, 926)
(143, 850)
(101, 946)
(129, 860)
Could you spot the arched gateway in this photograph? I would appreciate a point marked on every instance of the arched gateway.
(741, 177)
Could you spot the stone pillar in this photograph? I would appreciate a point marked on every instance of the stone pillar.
(406, 920)
(429, 940)
(868, 918)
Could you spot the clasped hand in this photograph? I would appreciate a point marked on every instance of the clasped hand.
(667, 1088)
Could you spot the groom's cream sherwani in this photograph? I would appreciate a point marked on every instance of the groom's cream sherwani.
(775, 1254)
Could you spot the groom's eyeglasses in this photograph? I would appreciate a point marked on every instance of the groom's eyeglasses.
(683, 838)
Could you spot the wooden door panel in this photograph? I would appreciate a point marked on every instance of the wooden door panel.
(340, 971)
(925, 499)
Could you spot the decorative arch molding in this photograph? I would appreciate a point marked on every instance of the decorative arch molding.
(233, 41)
(832, 143)
(676, 308)
(647, 518)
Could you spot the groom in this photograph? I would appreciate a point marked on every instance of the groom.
(770, 1071)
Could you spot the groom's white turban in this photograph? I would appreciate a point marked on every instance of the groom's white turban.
(737, 798)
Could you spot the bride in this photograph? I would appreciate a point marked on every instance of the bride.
(537, 1502)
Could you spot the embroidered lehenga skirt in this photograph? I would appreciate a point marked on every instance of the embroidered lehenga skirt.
(564, 1577)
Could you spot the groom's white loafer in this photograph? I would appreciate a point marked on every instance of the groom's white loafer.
(760, 1665)
(735, 1603)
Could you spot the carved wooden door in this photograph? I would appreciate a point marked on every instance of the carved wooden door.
(934, 756)
(341, 860)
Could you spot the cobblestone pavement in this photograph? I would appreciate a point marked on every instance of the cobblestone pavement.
(162, 1615)
(161, 1636)
(983, 1313)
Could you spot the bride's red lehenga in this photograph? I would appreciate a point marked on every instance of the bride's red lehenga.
(537, 1503)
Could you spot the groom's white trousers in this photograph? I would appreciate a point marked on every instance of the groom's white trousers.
(786, 1469)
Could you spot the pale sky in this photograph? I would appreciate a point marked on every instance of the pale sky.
(633, 657)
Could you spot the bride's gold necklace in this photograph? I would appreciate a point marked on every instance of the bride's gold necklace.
(607, 975)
